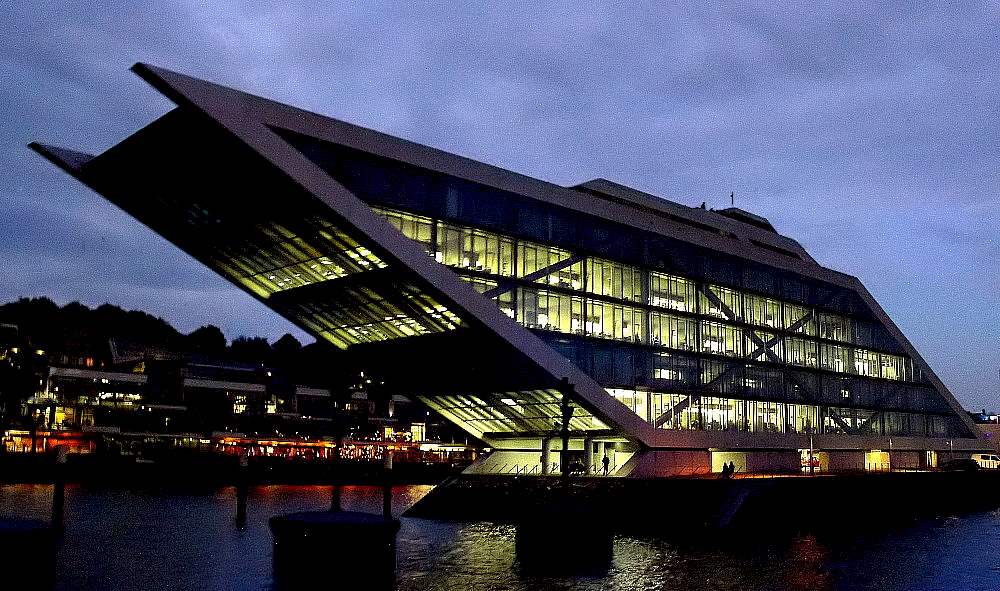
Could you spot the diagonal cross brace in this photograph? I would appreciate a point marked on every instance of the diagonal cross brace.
(502, 289)
(767, 347)
(671, 412)
(762, 347)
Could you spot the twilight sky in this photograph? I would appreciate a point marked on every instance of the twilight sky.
(867, 131)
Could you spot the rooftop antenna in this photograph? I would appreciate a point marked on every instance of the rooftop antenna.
(732, 198)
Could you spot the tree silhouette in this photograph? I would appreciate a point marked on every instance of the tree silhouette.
(251, 350)
(207, 340)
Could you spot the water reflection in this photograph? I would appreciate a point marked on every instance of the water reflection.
(805, 565)
(183, 539)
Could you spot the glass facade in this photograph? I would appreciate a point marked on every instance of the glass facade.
(273, 260)
(685, 336)
(675, 316)
(513, 413)
(674, 335)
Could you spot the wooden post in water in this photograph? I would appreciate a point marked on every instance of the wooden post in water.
(387, 485)
(335, 493)
(59, 487)
(338, 411)
(242, 486)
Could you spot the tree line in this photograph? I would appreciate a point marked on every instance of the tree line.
(78, 332)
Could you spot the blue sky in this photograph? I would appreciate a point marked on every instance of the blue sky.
(865, 130)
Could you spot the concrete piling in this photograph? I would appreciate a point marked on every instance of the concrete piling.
(59, 487)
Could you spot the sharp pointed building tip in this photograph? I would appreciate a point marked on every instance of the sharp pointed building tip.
(143, 69)
(69, 160)
(150, 72)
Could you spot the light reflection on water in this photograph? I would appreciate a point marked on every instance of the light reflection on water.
(181, 539)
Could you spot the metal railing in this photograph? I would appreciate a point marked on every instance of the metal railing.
(695, 470)
(536, 469)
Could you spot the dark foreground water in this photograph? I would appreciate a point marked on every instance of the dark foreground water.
(164, 540)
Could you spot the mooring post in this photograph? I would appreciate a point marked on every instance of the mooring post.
(59, 487)
(335, 493)
(339, 398)
(387, 486)
(242, 486)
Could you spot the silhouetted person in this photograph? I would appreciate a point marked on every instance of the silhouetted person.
(725, 473)
(732, 468)
(605, 462)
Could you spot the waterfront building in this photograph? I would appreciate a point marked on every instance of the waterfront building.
(669, 339)
(139, 397)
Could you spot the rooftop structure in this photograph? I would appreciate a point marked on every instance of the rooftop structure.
(681, 338)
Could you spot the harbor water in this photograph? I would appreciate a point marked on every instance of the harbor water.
(139, 539)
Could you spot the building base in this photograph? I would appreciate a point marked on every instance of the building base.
(668, 507)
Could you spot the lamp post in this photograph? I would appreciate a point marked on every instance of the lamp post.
(812, 464)
(338, 398)
(567, 413)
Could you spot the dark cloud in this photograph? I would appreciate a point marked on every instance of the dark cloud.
(866, 130)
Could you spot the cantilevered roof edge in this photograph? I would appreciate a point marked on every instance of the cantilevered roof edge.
(186, 89)
(249, 118)
(901, 339)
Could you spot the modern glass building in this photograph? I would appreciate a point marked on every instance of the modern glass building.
(679, 338)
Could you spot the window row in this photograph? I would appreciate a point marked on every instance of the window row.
(536, 411)
(559, 312)
(388, 183)
(709, 413)
(494, 254)
(628, 367)
(274, 258)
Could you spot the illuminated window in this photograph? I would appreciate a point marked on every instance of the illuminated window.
(677, 369)
(834, 327)
(799, 319)
(273, 258)
(801, 352)
(615, 280)
(615, 321)
(833, 357)
(893, 367)
(721, 302)
(721, 339)
(867, 363)
(536, 258)
(676, 332)
(414, 227)
(548, 310)
(668, 291)
(634, 400)
(762, 311)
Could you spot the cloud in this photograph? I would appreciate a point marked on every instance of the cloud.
(866, 130)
